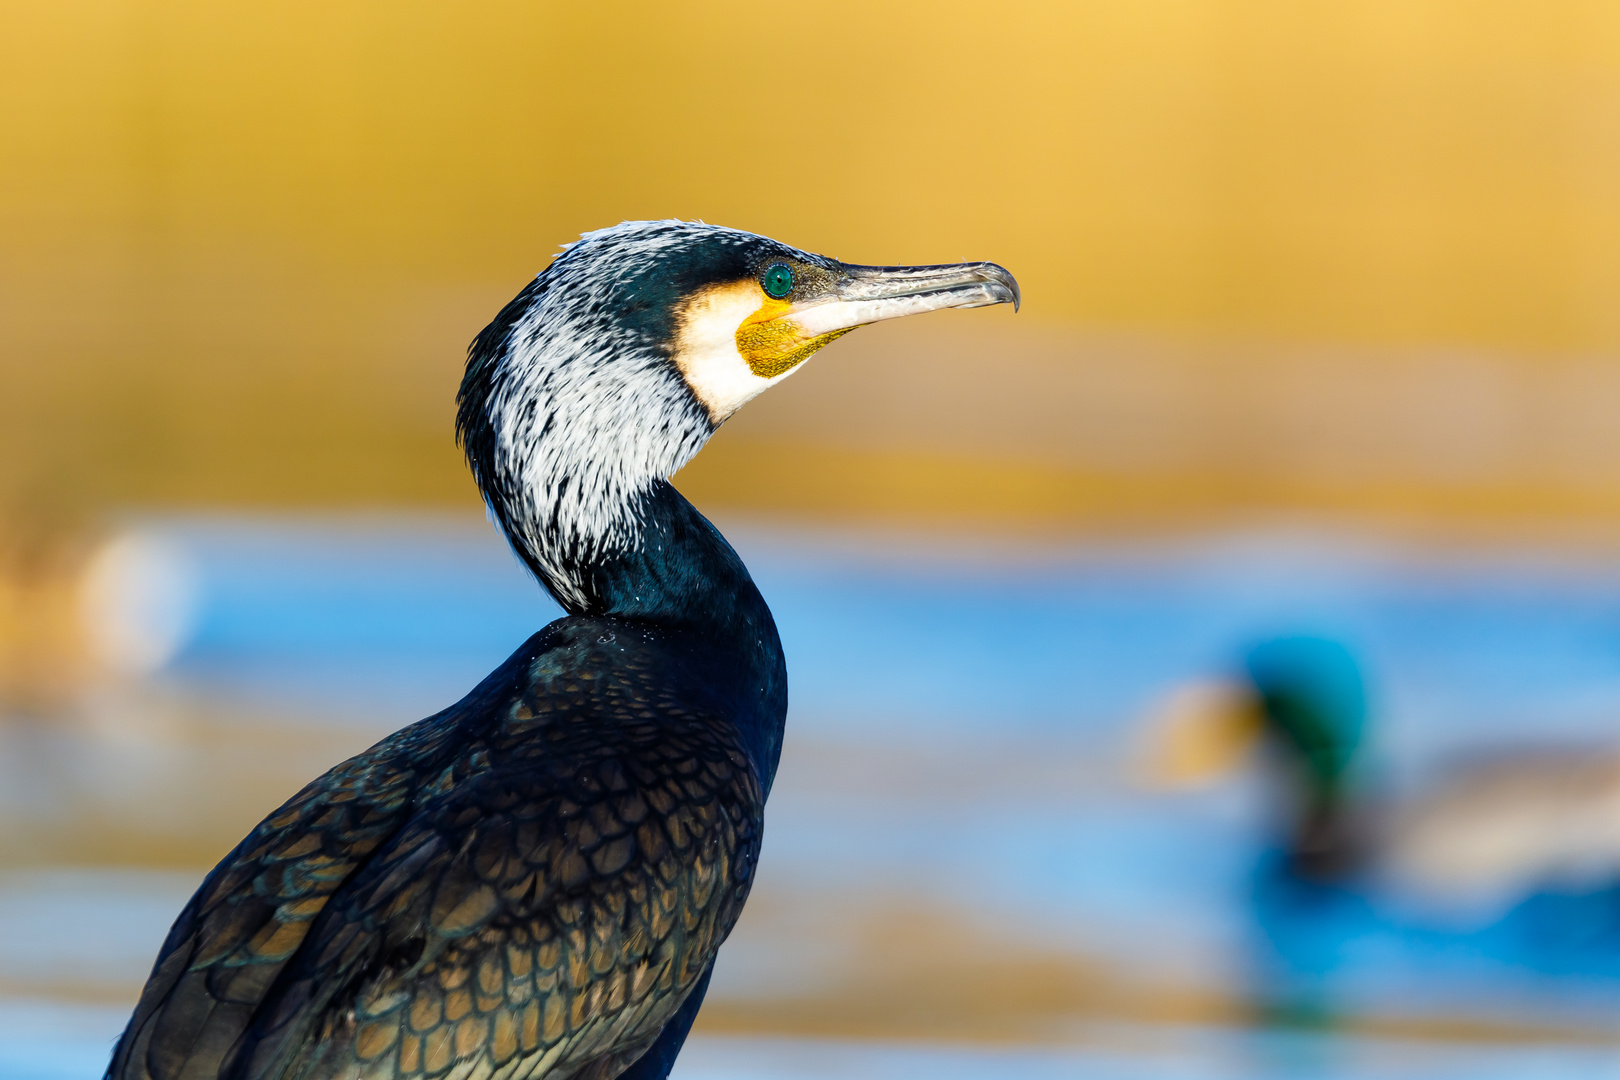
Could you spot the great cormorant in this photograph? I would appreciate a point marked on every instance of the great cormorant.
(534, 882)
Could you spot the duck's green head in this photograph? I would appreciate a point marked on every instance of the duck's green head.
(1303, 696)
(1312, 703)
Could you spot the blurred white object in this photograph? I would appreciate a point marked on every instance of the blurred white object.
(1492, 833)
(138, 602)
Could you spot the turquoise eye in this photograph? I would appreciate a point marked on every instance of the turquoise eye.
(778, 281)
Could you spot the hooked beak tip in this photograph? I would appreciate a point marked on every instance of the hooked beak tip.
(997, 275)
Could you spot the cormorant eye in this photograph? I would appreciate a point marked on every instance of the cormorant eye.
(778, 281)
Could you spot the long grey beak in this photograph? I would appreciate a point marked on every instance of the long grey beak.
(779, 336)
(959, 285)
(868, 294)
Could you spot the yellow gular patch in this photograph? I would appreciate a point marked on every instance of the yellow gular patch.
(732, 342)
(774, 345)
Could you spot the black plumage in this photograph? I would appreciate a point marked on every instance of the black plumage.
(534, 882)
(546, 868)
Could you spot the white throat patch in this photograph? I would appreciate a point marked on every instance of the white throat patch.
(707, 354)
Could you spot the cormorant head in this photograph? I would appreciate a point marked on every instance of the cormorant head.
(612, 368)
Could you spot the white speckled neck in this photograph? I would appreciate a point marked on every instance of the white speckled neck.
(585, 415)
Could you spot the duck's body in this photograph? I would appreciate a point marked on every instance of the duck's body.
(1510, 825)
(1485, 834)
(534, 882)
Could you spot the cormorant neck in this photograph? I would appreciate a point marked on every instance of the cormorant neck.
(679, 573)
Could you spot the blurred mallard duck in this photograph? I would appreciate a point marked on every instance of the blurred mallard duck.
(1513, 854)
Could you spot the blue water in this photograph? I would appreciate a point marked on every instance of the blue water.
(963, 723)
(388, 616)
(1018, 652)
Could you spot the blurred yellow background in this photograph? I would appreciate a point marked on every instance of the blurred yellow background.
(1281, 262)
(1333, 257)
